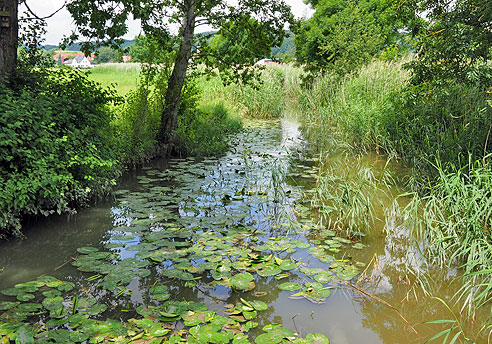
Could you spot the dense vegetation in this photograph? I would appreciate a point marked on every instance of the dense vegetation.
(65, 139)
(57, 146)
(376, 76)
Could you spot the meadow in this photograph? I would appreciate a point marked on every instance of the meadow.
(124, 77)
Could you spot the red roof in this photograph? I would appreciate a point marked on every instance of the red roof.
(64, 56)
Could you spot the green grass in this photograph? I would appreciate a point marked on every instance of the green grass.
(354, 109)
(124, 77)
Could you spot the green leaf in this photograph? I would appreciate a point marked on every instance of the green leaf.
(258, 305)
(268, 338)
(5, 305)
(290, 286)
(87, 250)
(317, 338)
(241, 281)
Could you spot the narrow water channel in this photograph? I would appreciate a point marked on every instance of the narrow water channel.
(193, 227)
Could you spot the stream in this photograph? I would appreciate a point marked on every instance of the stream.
(214, 248)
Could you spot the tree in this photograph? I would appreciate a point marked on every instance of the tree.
(344, 34)
(106, 54)
(452, 42)
(9, 32)
(9, 36)
(261, 20)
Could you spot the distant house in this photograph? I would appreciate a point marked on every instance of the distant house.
(64, 56)
(266, 62)
(81, 62)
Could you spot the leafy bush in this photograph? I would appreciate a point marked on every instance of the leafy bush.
(202, 129)
(56, 145)
(137, 120)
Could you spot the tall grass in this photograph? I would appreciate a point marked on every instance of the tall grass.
(356, 108)
(455, 221)
(263, 98)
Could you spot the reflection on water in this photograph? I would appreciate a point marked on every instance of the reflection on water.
(217, 195)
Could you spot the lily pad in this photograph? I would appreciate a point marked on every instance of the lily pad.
(268, 338)
(86, 250)
(241, 281)
(290, 286)
(5, 305)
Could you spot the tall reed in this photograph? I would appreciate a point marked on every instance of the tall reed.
(263, 98)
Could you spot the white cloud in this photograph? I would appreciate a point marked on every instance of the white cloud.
(61, 24)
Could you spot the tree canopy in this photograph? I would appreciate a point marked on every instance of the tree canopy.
(261, 21)
(453, 40)
(343, 34)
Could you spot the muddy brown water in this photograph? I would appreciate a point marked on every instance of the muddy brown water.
(347, 316)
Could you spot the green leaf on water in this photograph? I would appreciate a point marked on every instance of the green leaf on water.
(268, 338)
(287, 265)
(159, 289)
(51, 303)
(241, 281)
(25, 297)
(30, 307)
(5, 305)
(258, 305)
(317, 338)
(269, 270)
(11, 292)
(324, 277)
(78, 337)
(290, 286)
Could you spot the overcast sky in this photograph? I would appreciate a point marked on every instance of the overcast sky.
(61, 24)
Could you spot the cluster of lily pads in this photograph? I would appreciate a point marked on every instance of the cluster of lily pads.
(198, 225)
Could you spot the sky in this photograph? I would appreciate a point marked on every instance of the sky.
(61, 23)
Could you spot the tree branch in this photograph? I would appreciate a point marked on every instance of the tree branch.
(35, 16)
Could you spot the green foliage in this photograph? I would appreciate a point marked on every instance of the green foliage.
(44, 58)
(151, 49)
(56, 146)
(237, 45)
(263, 98)
(209, 124)
(138, 118)
(106, 54)
(355, 110)
(448, 122)
(454, 220)
(453, 44)
(342, 35)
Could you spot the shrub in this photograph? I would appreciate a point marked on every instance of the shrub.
(56, 146)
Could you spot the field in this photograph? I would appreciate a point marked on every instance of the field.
(123, 76)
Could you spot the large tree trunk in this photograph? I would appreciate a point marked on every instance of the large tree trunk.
(169, 120)
(9, 30)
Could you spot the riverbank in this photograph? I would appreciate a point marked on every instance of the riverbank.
(67, 139)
